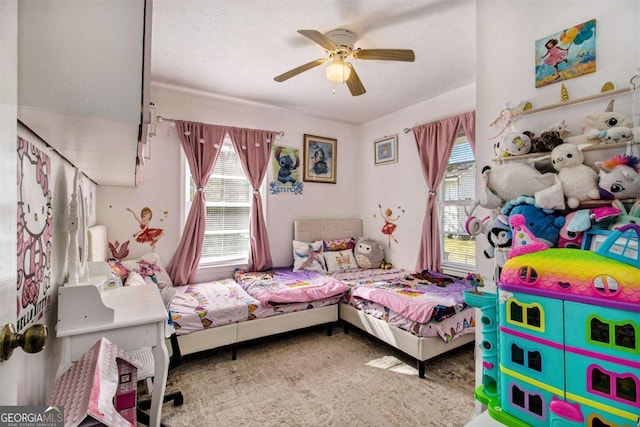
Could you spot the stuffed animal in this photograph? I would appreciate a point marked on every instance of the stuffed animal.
(368, 253)
(598, 123)
(579, 181)
(619, 177)
(547, 141)
(613, 135)
(577, 222)
(513, 144)
(545, 224)
(560, 127)
(510, 180)
(630, 217)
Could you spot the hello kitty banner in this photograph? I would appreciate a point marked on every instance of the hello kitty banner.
(34, 234)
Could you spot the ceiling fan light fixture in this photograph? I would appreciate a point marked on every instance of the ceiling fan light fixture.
(338, 72)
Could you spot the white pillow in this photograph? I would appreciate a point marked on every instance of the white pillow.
(134, 279)
(340, 260)
(308, 256)
(150, 267)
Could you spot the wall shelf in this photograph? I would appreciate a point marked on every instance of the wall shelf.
(601, 95)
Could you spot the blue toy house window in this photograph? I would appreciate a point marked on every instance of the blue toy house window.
(625, 336)
(529, 316)
(619, 387)
(621, 335)
(516, 312)
(600, 331)
(531, 402)
(534, 359)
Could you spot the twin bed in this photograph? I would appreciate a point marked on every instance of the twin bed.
(423, 315)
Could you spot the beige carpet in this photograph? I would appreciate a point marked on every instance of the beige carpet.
(311, 379)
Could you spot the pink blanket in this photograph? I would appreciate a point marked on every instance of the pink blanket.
(282, 286)
(417, 304)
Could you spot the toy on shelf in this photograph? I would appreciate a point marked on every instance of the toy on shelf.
(579, 181)
(596, 123)
(513, 144)
(475, 280)
(508, 181)
(619, 177)
(632, 216)
(544, 224)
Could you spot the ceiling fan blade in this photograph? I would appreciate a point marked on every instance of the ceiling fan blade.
(385, 54)
(319, 38)
(353, 82)
(294, 72)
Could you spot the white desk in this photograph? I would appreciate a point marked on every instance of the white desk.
(130, 317)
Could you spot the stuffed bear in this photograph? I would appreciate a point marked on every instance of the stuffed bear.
(547, 141)
(596, 123)
(579, 181)
(368, 253)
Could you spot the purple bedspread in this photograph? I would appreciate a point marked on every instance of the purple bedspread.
(282, 285)
(416, 303)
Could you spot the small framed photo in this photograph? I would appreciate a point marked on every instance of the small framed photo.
(386, 150)
(320, 159)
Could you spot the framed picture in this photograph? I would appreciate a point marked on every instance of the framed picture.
(320, 159)
(386, 150)
(566, 54)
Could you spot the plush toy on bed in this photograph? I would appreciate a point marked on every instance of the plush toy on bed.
(369, 253)
(579, 181)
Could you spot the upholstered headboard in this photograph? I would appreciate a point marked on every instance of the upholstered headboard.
(97, 244)
(310, 230)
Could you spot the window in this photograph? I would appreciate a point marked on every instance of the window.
(228, 209)
(528, 316)
(620, 387)
(531, 402)
(619, 335)
(456, 197)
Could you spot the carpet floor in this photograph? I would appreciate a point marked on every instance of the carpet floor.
(310, 379)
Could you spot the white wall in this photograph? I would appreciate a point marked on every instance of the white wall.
(160, 186)
(402, 184)
(506, 71)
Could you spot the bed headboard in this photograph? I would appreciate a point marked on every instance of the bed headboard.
(97, 244)
(310, 230)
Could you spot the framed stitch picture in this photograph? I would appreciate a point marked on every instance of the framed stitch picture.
(320, 159)
(567, 54)
(386, 150)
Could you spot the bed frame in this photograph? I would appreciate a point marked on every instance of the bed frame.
(307, 230)
(420, 348)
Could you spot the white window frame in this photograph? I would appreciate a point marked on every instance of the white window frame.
(452, 267)
(210, 270)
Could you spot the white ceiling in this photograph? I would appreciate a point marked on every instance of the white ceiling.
(234, 48)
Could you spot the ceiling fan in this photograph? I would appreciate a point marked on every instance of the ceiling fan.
(338, 44)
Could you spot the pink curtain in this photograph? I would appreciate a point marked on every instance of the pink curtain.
(201, 144)
(254, 148)
(435, 142)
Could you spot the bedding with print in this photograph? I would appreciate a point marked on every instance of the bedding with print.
(283, 285)
(420, 297)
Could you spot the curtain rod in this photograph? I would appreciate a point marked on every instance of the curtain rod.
(161, 119)
(407, 130)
